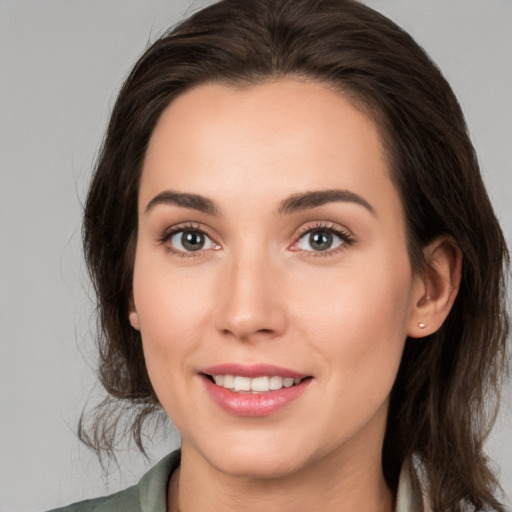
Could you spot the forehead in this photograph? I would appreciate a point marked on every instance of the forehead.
(263, 141)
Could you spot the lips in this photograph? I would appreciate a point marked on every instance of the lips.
(257, 390)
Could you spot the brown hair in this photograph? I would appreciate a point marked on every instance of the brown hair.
(445, 396)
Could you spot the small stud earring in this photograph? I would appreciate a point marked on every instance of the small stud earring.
(421, 325)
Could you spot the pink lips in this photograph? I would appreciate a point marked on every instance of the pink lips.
(256, 370)
(251, 404)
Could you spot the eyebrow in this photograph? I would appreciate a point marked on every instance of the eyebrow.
(294, 203)
(194, 201)
(307, 200)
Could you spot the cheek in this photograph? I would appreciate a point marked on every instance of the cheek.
(173, 309)
(359, 340)
(358, 322)
(172, 313)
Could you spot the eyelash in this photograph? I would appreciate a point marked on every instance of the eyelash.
(345, 236)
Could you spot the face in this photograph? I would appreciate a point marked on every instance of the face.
(272, 285)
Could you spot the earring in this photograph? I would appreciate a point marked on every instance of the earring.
(421, 325)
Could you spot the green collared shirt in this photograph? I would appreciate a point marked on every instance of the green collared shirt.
(150, 494)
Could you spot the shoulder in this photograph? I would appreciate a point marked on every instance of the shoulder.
(127, 500)
(149, 495)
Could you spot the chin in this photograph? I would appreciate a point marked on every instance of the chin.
(257, 458)
(261, 466)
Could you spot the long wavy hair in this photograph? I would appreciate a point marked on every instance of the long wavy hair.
(444, 401)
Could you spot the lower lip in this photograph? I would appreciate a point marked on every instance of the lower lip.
(254, 404)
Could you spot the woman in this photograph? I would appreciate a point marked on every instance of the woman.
(296, 259)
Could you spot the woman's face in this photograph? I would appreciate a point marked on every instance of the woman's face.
(271, 250)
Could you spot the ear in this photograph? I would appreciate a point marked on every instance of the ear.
(436, 288)
(132, 313)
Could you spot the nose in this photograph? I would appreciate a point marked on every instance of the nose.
(251, 300)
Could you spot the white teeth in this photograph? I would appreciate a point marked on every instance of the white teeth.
(228, 381)
(288, 382)
(275, 382)
(260, 384)
(242, 384)
(257, 385)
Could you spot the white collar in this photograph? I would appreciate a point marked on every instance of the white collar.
(411, 495)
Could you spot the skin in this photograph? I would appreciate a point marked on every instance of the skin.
(260, 293)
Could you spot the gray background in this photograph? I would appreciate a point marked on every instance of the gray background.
(61, 63)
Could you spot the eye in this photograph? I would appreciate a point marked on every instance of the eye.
(188, 240)
(191, 241)
(319, 240)
(322, 239)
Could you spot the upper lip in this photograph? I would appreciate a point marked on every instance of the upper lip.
(252, 371)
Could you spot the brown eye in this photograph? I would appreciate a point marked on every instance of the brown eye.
(191, 241)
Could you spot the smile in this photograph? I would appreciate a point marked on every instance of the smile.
(254, 390)
(263, 384)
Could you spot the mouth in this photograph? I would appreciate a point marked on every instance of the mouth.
(261, 384)
(258, 390)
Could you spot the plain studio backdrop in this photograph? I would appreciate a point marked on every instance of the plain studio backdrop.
(61, 65)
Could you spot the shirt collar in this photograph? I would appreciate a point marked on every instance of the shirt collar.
(411, 494)
(152, 487)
